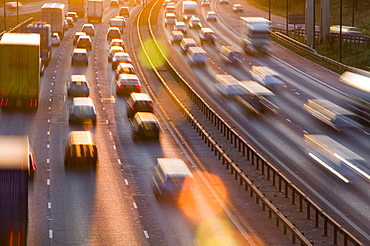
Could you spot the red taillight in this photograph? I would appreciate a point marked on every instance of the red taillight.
(121, 86)
(138, 86)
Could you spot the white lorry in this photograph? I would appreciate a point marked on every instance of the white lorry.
(54, 14)
(255, 34)
(95, 11)
(189, 8)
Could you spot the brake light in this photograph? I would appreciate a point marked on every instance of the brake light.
(138, 86)
(121, 86)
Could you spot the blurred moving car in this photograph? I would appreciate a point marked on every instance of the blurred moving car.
(13, 4)
(77, 35)
(73, 15)
(114, 3)
(169, 19)
(113, 32)
(238, 8)
(114, 49)
(207, 35)
(124, 68)
(224, 1)
(127, 83)
(70, 22)
(82, 110)
(194, 22)
(117, 42)
(55, 40)
(205, 3)
(139, 102)
(176, 37)
(171, 178)
(211, 16)
(79, 56)
(80, 150)
(186, 43)
(231, 54)
(145, 126)
(345, 30)
(180, 26)
(84, 42)
(88, 29)
(120, 57)
(78, 86)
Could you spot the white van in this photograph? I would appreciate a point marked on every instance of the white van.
(228, 85)
(267, 77)
(332, 114)
(197, 56)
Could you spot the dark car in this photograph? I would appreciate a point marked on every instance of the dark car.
(145, 126)
(126, 84)
(78, 86)
(120, 57)
(88, 29)
(82, 110)
(139, 102)
(79, 57)
(113, 32)
(84, 42)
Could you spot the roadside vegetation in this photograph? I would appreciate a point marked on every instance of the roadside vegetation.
(354, 13)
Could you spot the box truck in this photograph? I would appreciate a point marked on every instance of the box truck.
(19, 70)
(95, 11)
(255, 34)
(78, 6)
(54, 14)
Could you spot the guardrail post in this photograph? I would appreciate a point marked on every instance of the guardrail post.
(293, 196)
(316, 218)
(335, 235)
(308, 210)
(300, 203)
(286, 189)
(325, 226)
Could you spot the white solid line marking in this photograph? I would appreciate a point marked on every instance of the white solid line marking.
(146, 234)
(135, 205)
(50, 233)
(49, 205)
(48, 181)
(126, 181)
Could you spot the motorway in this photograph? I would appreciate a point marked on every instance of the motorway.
(115, 204)
(280, 137)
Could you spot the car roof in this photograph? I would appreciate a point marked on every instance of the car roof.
(78, 77)
(87, 24)
(113, 28)
(128, 76)
(79, 50)
(121, 54)
(140, 96)
(82, 101)
(115, 48)
(125, 64)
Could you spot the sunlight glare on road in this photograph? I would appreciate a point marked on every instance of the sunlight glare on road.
(157, 60)
(205, 212)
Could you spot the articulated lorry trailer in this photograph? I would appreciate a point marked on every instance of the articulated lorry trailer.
(20, 70)
(255, 34)
(78, 6)
(95, 10)
(44, 30)
(54, 14)
(17, 167)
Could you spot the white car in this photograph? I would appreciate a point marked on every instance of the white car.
(205, 3)
(55, 40)
(211, 16)
(224, 1)
(114, 49)
(238, 8)
(194, 22)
